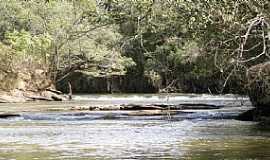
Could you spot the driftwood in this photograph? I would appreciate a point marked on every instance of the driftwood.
(53, 90)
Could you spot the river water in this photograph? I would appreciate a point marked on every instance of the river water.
(44, 133)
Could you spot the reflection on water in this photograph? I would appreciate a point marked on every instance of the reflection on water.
(72, 136)
(240, 148)
(141, 139)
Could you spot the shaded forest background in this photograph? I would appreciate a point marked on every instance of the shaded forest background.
(213, 46)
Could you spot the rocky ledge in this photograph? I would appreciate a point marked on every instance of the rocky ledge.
(134, 107)
(16, 95)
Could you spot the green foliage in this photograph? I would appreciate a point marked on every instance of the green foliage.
(156, 37)
(13, 16)
(6, 58)
(29, 45)
(55, 32)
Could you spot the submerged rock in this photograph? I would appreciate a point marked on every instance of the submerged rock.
(8, 115)
(152, 113)
(139, 107)
(247, 116)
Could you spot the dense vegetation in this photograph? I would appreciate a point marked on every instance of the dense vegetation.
(206, 45)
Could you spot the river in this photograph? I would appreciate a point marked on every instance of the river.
(43, 132)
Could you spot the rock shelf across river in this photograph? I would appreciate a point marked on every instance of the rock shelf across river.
(133, 107)
(181, 111)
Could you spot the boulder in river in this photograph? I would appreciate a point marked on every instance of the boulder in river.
(259, 92)
(259, 84)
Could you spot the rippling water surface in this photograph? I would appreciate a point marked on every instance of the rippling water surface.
(44, 135)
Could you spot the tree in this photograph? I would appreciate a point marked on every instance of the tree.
(63, 35)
